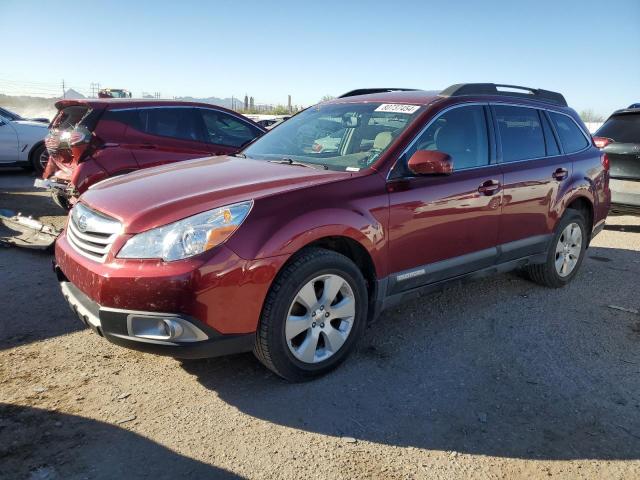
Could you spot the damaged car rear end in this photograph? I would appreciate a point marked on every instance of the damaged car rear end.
(95, 139)
(70, 141)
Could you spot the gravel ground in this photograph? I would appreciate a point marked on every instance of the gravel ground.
(498, 378)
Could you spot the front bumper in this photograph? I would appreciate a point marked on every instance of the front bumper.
(115, 325)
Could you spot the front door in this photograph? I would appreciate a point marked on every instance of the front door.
(444, 226)
(8, 142)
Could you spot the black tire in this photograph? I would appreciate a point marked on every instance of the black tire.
(546, 273)
(271, 346)
(39, 158)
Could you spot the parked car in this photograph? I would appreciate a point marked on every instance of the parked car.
(14, 116)
(114, 93)
(290, 252)
(94, 139)
(619, 138)
(22, 141)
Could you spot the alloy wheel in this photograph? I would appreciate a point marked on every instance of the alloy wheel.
(568, 249)
(320, 318)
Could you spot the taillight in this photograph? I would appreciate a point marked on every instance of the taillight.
(604, 159)
(602, 142)
(79, 135)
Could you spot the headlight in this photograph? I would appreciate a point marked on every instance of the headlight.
(187, 237)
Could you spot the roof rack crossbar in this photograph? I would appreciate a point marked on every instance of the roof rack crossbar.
(367, 91)
(494, 89)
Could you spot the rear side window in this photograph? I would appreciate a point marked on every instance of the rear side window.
(623, 128)
(129, 117)
(224, 129)
(180, 123)
(571, 137)
(462, 133)
(520, 133)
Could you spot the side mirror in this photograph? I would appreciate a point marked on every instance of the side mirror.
(430, 162)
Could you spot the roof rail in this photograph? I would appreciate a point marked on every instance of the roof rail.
(494, 89)
(367, 91)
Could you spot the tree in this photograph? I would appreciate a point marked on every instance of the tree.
(326, 98)
(589, 115)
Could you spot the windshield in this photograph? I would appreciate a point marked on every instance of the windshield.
(623, 128)
(347, 136)
(9, 115)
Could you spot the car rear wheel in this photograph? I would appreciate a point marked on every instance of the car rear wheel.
(565, 253)
(313, 315)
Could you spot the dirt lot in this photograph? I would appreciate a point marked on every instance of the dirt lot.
(497, 378)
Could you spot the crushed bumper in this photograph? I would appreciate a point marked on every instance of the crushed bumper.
(116, 326)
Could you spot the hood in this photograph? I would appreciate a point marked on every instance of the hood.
(157, 196)
(32, 123)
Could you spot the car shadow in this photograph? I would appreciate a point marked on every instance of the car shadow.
(622, 228)
(497, 367)
(38, 443)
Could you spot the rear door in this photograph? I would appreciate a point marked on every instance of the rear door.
(166, 134)
(226, 133)
(534, 170)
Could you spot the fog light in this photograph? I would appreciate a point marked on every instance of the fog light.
(174, 329)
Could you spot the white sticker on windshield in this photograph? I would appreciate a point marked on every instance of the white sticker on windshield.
(397, 108)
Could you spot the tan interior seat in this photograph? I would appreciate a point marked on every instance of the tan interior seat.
(382, 140)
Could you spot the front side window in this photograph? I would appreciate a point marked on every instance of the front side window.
(180, 123)
(336, 136)
(224, 129)
(520, 133)
(461, 133)
(571, 137)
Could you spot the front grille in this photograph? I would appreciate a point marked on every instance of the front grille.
(90, 233)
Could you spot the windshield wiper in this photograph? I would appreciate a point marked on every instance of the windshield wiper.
(291, 161)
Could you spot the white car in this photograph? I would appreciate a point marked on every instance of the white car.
(22, 142)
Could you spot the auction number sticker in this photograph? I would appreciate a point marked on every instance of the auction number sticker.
(397, 108)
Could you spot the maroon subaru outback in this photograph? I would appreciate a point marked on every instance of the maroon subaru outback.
(291, 246)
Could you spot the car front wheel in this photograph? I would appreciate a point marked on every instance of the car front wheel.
(313, 315)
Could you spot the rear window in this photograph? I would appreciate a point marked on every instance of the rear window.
(571, 137)
(520, 133)
(70, 116)
(621, 128)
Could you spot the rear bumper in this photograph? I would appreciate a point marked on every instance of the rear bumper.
(115, 325)
(625, 196)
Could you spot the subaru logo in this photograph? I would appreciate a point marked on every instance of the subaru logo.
(82, 223)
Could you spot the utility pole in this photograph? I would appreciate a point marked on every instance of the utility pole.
(63, 89)
(95, 88)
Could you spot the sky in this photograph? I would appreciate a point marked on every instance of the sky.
(588, 50)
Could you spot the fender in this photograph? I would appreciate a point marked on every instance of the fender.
(359, 213)
(578, 187)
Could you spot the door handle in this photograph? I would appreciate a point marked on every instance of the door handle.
(490, 187)
(560, 173)
(148, 146)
